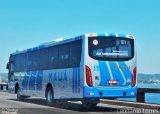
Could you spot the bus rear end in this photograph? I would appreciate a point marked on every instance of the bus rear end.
(110, 66)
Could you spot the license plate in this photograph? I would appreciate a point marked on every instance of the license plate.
(113, 82)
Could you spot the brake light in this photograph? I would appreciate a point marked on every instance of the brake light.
(134, 78)
(89, 76)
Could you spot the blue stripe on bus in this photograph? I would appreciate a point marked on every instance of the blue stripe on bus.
(104, 73)
(30, 49)
(116, 73)
(73, 81)
(25, 82)
(35, 48)
(41, 47)
(77, 38)
(112, 35)
(39, 80)
(78, 80)
(127, 73)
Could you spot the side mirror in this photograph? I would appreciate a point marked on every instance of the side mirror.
(7, 66)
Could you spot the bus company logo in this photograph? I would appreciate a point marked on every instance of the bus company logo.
(58, 76)
(95, 42)
(122, 67)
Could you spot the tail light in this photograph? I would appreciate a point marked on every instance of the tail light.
(134, 78)
(89, 76)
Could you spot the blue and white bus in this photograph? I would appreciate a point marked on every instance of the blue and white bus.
(86, 68)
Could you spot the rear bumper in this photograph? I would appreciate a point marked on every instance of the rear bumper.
(97, 92)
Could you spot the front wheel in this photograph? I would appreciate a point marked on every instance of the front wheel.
(90, 102)
(19, 96)
(49, 96)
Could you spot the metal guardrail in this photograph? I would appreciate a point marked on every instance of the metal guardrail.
(3, 87)
(141, 93)
(131, 104)
(140, 100)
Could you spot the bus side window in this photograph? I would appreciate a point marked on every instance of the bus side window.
(64, 55)
(53, 57)
(75, 53)
(10, 66)
(44, 58)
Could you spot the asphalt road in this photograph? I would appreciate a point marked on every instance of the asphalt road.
(9, 105)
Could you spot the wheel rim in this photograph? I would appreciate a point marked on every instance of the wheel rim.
(49, 96)
(18, 93)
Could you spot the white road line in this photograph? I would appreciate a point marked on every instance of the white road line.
(114, 106)
(95, 113)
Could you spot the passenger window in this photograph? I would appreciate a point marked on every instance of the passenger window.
(75, 53)
(64, 50)
(53, 57)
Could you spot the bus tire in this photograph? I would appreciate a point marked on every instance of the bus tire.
(19, 96)
(90, 102)
(50, 96)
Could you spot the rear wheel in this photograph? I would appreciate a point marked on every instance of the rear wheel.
(50, 96)
(90, 102)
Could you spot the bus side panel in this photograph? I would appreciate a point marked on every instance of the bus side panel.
(66, 82)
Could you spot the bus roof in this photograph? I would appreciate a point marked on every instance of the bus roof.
(61, 41)
(110, 35)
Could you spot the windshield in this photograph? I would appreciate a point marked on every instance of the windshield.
(111, 48)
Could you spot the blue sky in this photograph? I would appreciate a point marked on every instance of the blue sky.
(27, 23)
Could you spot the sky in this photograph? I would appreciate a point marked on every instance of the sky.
(28, 23)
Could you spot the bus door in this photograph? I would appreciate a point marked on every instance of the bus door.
(10, 67)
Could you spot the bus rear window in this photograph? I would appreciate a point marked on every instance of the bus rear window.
(111, 48)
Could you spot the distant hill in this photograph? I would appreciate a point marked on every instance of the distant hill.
(148, 76)
(4, 74)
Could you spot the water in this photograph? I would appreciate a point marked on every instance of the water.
(149, 97)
